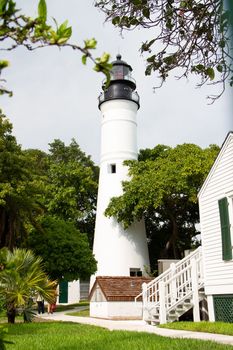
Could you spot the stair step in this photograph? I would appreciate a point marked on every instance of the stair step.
(187, 304)
(202, 293)
(173, 318)
(155, 317)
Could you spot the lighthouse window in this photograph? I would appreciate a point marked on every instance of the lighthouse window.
(118, 72)
(135, 272)
(112, 168)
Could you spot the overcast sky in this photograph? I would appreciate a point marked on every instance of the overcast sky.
(55, 96)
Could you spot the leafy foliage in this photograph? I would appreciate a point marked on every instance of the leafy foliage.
(192, 35)
(64, 249)
(19, 192)
(63, 183)
(163, 188)
(17, 29)
(72, 181)
(33, 184)
(21, 277)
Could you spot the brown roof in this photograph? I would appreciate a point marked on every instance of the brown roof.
(120, 288)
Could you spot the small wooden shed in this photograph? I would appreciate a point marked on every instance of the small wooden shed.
(113, 297)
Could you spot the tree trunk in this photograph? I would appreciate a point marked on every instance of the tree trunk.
(174, 238)
(11, 315)
(170, 250)
(2, 227)
(11, 232)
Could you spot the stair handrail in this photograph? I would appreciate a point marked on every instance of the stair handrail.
(165, 276)
(183, 283)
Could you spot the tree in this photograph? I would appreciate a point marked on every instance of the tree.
(163, 188)
(72, 182)
(192, 35)
(19, 192)
(65, 251)
(17, 29)
(21, 277)
(63, 183)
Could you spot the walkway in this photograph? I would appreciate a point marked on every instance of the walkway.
(139, 326)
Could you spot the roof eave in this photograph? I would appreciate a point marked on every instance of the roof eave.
(228, 137)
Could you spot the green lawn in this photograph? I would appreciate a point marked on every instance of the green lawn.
(71, 306)
(81, 313)
(72, 336)
(209, 327)
(3, 317)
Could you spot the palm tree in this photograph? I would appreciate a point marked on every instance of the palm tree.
(21, 278)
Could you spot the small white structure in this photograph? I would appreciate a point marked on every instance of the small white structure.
(118, 252)
(113, 297)
(164, 264)
(216, 217)
(68, 292)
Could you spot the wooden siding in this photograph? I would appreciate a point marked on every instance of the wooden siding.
(218, 273)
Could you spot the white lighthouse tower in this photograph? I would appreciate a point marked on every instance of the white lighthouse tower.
(118, 252)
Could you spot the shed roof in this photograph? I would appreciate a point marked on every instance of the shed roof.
(118, 288)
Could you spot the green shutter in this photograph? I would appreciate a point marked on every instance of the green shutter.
(225, 229)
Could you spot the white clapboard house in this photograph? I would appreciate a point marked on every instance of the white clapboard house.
(207, 273)
(216, 217)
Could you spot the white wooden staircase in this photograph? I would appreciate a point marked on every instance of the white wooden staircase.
(174, 292)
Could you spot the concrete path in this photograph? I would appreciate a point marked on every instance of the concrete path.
(139, 326)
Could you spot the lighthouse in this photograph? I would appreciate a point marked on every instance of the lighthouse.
(118, 252)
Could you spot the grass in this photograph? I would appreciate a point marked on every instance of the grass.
(71, 306)
(81, 313)
(73, 336)
(3, 317)
(204, 326)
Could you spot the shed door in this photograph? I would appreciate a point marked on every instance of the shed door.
(63, 292)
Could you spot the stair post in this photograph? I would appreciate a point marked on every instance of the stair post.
(144, 300)
(194, 277)
(173, 283)
(162, 307)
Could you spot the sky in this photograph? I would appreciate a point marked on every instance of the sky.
(56, 96)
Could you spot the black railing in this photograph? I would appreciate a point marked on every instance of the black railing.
(125, 95)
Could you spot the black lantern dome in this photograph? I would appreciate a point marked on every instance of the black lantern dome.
(121, 85)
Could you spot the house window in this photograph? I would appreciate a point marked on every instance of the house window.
(112, 168)
(224, 208)
(135, 272)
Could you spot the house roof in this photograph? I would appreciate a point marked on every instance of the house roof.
(118, 288)
(222, 150)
